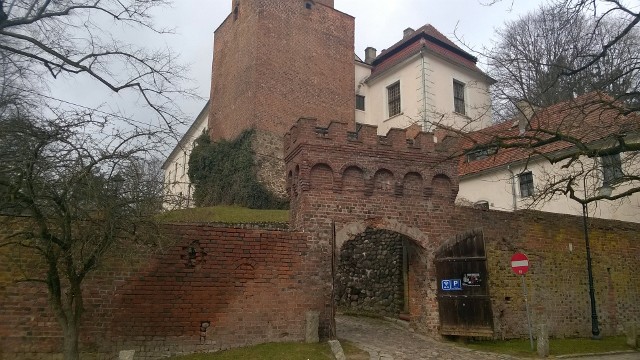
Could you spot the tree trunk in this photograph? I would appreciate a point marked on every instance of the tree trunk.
(70, 349)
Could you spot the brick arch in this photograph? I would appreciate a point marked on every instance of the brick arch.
(347, 231)
(352, 178)
(348, 165)
(383, 184)
(321, 177)
(413, 184)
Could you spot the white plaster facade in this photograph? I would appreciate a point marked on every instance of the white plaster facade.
(499, 188)
(426, 74)
(177, 187)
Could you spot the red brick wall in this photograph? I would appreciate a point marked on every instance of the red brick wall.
(251, 285)
(353, 181)
(279, 61)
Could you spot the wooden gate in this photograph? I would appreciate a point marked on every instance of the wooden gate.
(463, 287)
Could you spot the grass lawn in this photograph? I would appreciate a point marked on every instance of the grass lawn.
(225, 214)
(522, 347)
(281, 351)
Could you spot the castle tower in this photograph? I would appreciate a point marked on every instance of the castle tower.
(276, 61)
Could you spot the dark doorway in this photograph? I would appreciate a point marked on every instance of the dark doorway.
(372, 274)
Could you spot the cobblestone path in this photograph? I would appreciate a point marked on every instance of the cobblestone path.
(385, 340)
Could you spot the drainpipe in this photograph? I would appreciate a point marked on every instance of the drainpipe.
(513, 188)
(425, 125)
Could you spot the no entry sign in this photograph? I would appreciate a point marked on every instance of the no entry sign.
(519, 263)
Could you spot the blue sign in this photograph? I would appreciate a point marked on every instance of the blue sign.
(451, 284)
(456, 284)
(446, 285)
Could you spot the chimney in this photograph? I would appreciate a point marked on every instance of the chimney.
(526, 112)
(369, 55)
(407, 32)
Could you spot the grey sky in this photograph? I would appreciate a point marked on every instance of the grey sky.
(379, 23)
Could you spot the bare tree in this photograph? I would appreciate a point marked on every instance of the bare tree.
(71, 37)
(79, 195)
(81, 178)
(568, 92)
(561, 51)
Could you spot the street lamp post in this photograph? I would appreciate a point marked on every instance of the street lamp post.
(595, 330)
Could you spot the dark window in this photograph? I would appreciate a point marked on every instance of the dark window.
(526, 184)
(611, 169)
(481, 153)
(481, 205)
(360, 102)
(308, 5)
(393, 94)
(236, 12)
(458, 97)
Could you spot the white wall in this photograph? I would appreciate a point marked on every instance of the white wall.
(178, 189)
(495, 187)
(439, 76)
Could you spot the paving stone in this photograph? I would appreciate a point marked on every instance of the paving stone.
(386, 340)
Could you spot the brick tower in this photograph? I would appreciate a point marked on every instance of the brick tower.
(276, 61)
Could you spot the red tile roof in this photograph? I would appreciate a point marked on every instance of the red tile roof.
(583, 120)
(425, 37)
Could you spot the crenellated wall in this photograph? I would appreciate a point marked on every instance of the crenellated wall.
(341, 182)
(354, 167)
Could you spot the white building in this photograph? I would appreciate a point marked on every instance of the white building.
(423, 79)
(178, 189)
(515, 178)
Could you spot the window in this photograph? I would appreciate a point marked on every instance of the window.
(308, 4)
(458, 97)
(393, 95)
(481, 205)
(184, 162)
(359, 102)
(481, 153)
(526, 184)
(611, 169)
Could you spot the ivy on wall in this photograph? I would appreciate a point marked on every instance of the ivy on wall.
(224, 173)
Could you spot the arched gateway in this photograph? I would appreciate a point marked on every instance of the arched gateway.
(378, 208)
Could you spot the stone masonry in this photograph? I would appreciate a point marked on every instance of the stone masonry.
(277, 61)
(370, 274)
(342, 183)
(220, 286)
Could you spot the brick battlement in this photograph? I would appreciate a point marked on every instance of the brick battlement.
(307, 131)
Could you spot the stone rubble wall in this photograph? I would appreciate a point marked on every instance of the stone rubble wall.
(369, 278)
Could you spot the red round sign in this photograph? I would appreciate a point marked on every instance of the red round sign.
(519, 263)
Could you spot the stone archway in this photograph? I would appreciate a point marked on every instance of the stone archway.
(379, 269)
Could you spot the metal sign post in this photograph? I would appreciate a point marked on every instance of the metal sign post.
(520, 266)
(526, 302)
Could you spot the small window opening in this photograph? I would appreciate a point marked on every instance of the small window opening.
(612, 169)
(458, 97)
(393, 98)
(481, 153)
(526, 184)
(481, 205)
(308, 5)
(236, 12)
(359, 102)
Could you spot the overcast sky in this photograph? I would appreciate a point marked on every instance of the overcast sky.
(379, 23)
